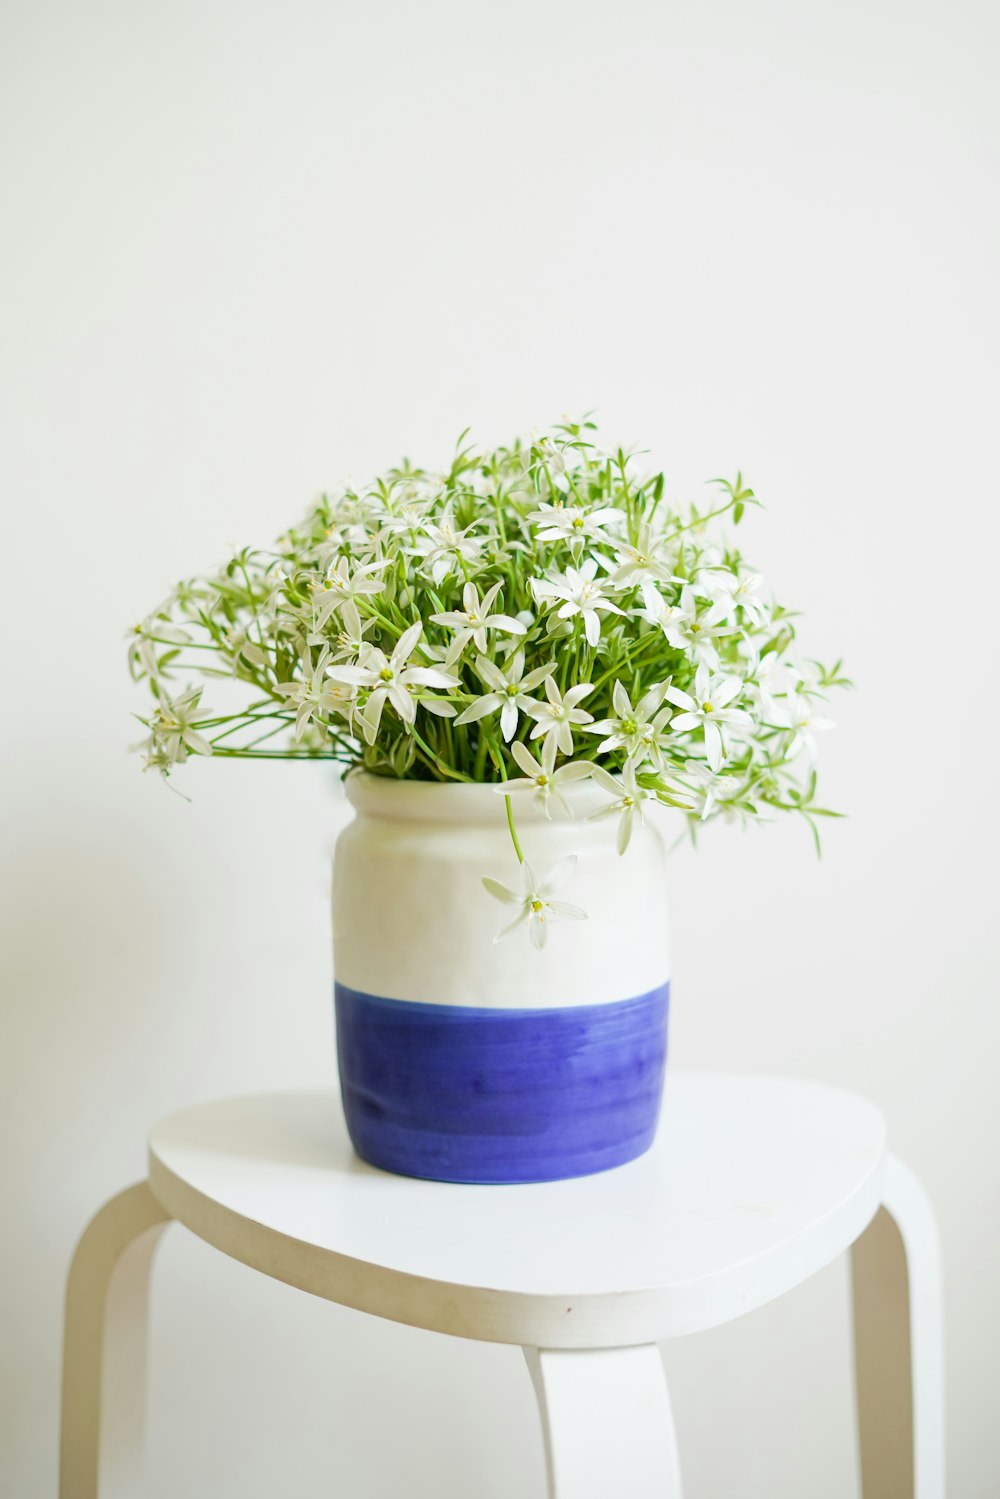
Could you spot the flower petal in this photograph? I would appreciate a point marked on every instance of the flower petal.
(508, 719)
(519, 920)
(501, 892)
(525, 759)
(563, 909)
(606, 781)
(557, 875)
(620, 698)
(576, 770)
(491, 673)
(713, 744)
(406, 645)
(479, 708)
(504, 622)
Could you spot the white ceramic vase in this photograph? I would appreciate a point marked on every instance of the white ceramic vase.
(465, 1059)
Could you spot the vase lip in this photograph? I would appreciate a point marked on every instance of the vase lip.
(478, 802)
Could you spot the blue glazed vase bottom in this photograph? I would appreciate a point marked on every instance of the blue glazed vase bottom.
(497, 1096)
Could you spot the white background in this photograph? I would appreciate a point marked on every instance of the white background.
(253, 250)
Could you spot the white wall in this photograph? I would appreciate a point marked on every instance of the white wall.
(250, 250)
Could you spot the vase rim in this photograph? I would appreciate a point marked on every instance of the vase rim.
(458, 801)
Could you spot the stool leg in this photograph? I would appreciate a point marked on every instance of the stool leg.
(607, 1423)
(104, 1347)
(899, 1344)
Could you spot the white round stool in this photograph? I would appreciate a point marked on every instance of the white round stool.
(753, 1185)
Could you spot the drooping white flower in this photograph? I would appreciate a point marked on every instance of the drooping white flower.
(709, 710)
(508, 691)
(390, 679)
(559, 713)
(474, 619)
(581, 594)
(542, 778)
(628, 798)
(536, 908)
(637, 730)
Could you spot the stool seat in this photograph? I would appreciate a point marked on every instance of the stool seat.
(753, 1185)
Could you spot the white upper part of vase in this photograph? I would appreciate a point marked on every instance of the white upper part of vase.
(412, 919)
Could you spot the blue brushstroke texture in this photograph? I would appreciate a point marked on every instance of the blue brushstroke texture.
(460, 1094)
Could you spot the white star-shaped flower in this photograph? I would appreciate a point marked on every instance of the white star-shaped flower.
(341, 584)
(709, 710)
(798, 714)
(684, 627)
(636, 730)
(390, 679)
(536, 908)
(644, 561)
(558, 715)
(543, 779)
(313, 695)
(627, 803)
(575, 523)
(474, 619)
(508, 691)
(581, 594)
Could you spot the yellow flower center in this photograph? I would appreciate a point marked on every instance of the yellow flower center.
(386, 674)
(537, 905)
(707, 708)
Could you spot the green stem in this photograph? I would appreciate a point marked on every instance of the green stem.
(240, 754)
(513, 830)
(498, 759)
(435, 759)
(703, 519)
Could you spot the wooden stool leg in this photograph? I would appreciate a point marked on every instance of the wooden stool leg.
(899, 1344)
(104, 1348)
(607, 1423)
